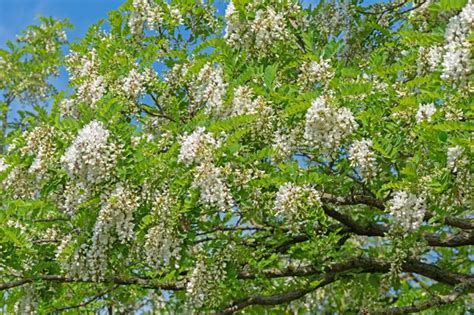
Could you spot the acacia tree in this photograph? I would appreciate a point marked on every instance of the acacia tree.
(276, 159)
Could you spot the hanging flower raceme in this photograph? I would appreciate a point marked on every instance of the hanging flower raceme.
(312, 72)
(327, 126)
(134, 84)
(362, 157)
(407, 210)
(197, 147)
(457, 57)
(92, 156)
(40, 144)
(456, 158)
(115, 222)
(162, 242)
(208, 89)
(3, 165)
(425, 112)
(291, 200)
(213, 190)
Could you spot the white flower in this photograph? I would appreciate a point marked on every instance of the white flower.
(162, 243)
(456, 159)
(312, 72)
(91, 157)
(456, 62)
(3, 165)
(115, 221)
(243, 102)
(425, 112)
(326, 126)
(197, 147)
(408, 210)
(291, 199)
(268, 27)
(285, 144)
(133, 85)
(213, 189)
(362, 157)
(209, 88)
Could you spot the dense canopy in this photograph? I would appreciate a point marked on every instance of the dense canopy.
(274, 158)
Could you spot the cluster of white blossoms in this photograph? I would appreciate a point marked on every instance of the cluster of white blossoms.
(425, 112)
(260, 34)
(197, 147)
(243, 102)
(115, 222)
(72, 196)
(162, 243)
(312, 72)
(134, 84)
(457, 57)
(291, 199)
(456, 158)
(3, 165)
(213, 189)
(144, 14)
(204, 282)
(363, 158)
(327, 126)
(209, 88)
(429, 58)
(91, 157)
(285, 143)
(407, 210)
(234, 27)
(40, 144)
(269, 27)
(85, 68)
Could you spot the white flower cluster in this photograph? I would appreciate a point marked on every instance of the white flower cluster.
(144, 13)
(291, 199)
(213, 189)
(91, 157)
(3, 165)
(285, 144)
(39, 143)
(85, 68)
(262, 33)
(268, 27)
(234, 27)
(209, 89)
(73, 195)
(457, 57)
(204, 282)
(456, 158)
(162, 243)
(363, 158)
(313, 71)
(197, 147)
(327, 126)
(134, 84)
(115, 221)
(243, 103)
(429, 58)
(425, 112)
(408, 210)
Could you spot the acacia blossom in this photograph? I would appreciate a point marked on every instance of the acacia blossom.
(291, 199)
(407, 209)
(91, 157)
(457, 58)
(425, 112)
(162, 242)
(209, 88)
(3, 165)
(326, 126)
(212, 188)
(314, 71)
(362, 157)
(456, 159)
(197, 147)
